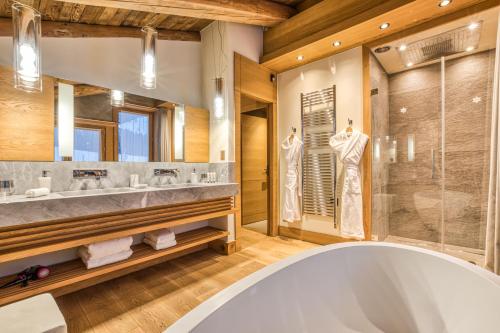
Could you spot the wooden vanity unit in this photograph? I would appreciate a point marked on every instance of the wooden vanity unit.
(31, 239)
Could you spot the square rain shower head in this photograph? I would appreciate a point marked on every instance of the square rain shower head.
(445, 44)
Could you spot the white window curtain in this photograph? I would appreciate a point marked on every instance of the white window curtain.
(133, 137)
(492, 258)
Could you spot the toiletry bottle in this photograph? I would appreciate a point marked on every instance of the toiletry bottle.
(45, 180)
(194, 177)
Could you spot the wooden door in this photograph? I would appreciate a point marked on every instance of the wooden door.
(253, 169)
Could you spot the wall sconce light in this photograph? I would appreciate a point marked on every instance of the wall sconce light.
(117, 98)
(148, 69)
(219, 98)
(65, 120)
(26, 35)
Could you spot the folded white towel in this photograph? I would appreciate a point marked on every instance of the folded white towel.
(161, 235)
(37, 192)
(116, 257)
(140, 186)
(112, 246)
(160, 245)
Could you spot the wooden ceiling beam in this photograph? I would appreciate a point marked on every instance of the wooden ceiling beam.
(79, 30)
(256, 12)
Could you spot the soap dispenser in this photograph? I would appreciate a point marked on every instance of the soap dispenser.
(45, 180)
(194, 177)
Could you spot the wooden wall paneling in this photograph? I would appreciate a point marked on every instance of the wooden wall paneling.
(196, 135)
(367, 155)
(237, 148)
(256, 82)
(26, 120)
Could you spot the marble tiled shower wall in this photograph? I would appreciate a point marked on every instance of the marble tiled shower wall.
(413, 193)
(25, 174)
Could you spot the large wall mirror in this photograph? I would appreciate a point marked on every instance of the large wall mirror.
(81, 122)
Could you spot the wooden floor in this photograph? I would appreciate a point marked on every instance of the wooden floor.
(152, 299)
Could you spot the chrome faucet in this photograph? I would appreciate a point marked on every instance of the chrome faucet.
(86, 174)
(170, 175)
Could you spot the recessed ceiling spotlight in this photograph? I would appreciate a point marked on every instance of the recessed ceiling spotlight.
(444, 3)
(409, 64)
(382, 49)
(300, 57)
(384, 26)
(402, 47)
(469, 48)
(473, 25)
(337, 43)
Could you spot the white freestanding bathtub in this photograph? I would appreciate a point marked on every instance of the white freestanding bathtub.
(355, 287)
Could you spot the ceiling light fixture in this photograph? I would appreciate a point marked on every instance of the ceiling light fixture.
(473, 26)
(117, 98)
(148, 63)
(300, 57)
(402, 47)
(444, 3)
(27, 35)
(382, 49)
(337, 43)
(219, 98)
(409, 64)
(469, 48)
(384, 25)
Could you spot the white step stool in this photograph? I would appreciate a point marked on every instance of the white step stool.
(32, 315)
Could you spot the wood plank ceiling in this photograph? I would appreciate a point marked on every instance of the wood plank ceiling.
(68, 13)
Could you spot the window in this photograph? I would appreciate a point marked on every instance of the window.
(133, 137)
(87, 146)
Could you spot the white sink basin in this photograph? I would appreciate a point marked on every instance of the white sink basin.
(96, 191)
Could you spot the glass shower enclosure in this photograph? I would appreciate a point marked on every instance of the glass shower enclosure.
(431, 140)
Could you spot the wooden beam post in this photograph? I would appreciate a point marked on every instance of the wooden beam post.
(79, 30)
(258, 12)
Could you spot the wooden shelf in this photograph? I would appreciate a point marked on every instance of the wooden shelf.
(70, 276)
(27, 240)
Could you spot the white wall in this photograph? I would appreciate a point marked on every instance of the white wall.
(115, 63)
(343, 70)
(243, 39)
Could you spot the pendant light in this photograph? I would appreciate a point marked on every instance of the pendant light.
(117, 98)
(65, 120)
(148, 70)
(26, 36)
(219, 68)
(219, 98)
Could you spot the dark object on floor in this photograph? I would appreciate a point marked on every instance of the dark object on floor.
(29, 274)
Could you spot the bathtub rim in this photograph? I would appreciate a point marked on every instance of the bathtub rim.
(194, 317)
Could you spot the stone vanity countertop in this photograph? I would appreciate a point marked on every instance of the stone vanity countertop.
(18, 209)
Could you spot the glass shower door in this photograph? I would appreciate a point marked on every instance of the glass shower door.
(467, 118)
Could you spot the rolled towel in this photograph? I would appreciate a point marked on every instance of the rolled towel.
(161, 235)
(140, 186)
(116, 257)
(37, 192)
(160, 245)
(106, 248)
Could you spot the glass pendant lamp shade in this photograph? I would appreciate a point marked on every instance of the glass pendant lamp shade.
(27, 35)
(117, 98)
(219, 98)
(148, 70)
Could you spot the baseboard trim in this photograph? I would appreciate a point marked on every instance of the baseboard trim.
(312, 236)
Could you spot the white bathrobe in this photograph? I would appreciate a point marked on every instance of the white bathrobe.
(350, 150)
(293, 189)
